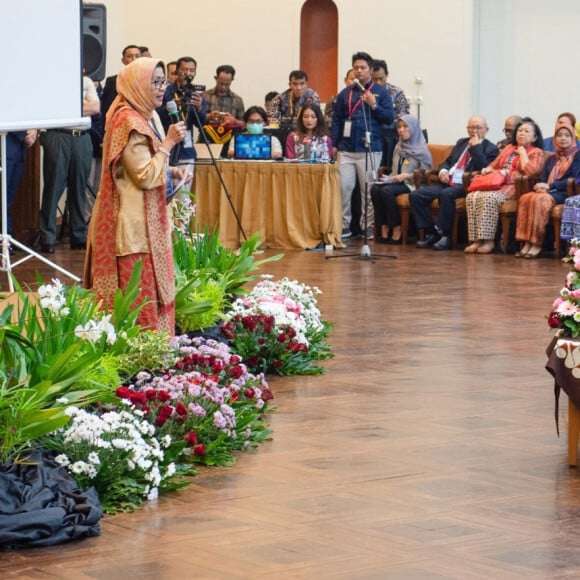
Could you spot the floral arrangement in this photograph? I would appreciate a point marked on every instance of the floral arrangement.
(278, 328)
(116, 452)
(565, 312)
(207, 403)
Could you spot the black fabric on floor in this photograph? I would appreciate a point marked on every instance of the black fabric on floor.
(41, 505)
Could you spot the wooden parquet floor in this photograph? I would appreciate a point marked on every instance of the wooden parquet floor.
(428, 450)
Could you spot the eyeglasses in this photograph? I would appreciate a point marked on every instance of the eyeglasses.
(508, 131)
(475, 128)
(161, 84)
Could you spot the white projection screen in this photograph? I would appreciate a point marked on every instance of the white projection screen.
(41, 41)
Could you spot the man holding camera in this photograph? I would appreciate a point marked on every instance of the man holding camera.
(191, 105)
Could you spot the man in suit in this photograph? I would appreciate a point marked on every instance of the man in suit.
(130, 53)
(471, 153)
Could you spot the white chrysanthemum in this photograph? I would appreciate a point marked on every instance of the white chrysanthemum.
(62, 459)
(94, 458)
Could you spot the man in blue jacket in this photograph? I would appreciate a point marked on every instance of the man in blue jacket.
(359, 113)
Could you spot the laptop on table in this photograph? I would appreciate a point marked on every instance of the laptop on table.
(250, 147)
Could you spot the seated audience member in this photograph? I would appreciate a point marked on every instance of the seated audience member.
(508, 130)
(380, 74)
(562, 118)
(523, 157)
(410, 153)
(285, 107)
(534, 207)
(348, 80)
(171, 72)
(570, 227)
(310, 140)
(221, 98)
(256, 119)
(470, 153)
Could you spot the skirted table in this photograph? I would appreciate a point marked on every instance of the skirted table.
(291, 205)
(564, 365)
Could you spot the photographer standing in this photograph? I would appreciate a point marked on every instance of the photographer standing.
(191, 105)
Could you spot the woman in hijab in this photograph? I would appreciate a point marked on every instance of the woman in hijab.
(410, 153)
(131, 221)
(534, 207)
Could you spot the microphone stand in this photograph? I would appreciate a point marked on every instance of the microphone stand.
(215, 166)
(365, 253)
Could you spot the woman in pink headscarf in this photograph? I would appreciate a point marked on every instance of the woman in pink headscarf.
(131, 220)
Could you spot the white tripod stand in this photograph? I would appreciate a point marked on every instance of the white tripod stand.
(6, 264)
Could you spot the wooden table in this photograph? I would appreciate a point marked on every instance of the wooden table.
(564, 365)
(291, 205)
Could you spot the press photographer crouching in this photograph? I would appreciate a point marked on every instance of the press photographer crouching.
(191, 107)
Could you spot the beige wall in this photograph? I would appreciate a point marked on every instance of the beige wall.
(488, 56)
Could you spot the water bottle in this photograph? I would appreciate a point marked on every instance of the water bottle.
(313, 148)
(324, 155)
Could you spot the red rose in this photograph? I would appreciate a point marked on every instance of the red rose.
(138, 399)
(164, 413)
(163, 396)
(151, 394)
(124, 392)
(191, 438)
(199, 450)
(277, 363)
(234, 397)
(267, 395)
(553, 321)
(249, 393)
(235, 360)
(281, 337)
(261, 340)
(181, 409)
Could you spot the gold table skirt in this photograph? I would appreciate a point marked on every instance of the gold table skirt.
(291, 205)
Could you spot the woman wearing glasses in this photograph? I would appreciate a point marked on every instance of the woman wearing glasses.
(131, 222)
(523, 156)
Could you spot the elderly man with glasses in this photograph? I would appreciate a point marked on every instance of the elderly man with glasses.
(471, 153)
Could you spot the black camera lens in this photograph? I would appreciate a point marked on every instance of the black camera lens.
(188, 78)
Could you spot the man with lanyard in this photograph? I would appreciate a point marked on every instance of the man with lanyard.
(193, 112)
(357, 120)
(471, 153)
(284, 108)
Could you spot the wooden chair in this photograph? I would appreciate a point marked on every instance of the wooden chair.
(439, 153)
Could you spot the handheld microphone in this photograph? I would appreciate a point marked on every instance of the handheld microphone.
(171, 108)
(357, 83)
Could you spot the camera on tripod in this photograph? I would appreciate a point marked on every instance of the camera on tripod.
(189, 87)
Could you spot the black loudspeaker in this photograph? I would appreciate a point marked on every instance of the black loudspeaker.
(94, 40)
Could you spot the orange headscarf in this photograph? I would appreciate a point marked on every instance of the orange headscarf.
(134, 87)
(565, 157)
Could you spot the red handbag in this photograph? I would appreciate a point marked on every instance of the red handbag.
(489, 182)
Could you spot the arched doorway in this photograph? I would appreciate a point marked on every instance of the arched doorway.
(319, 46)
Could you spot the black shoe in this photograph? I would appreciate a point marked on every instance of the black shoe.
(47, 248)
(383, 240)
(395, 242)
(78, 245)
(443, 244)
(429, 241)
